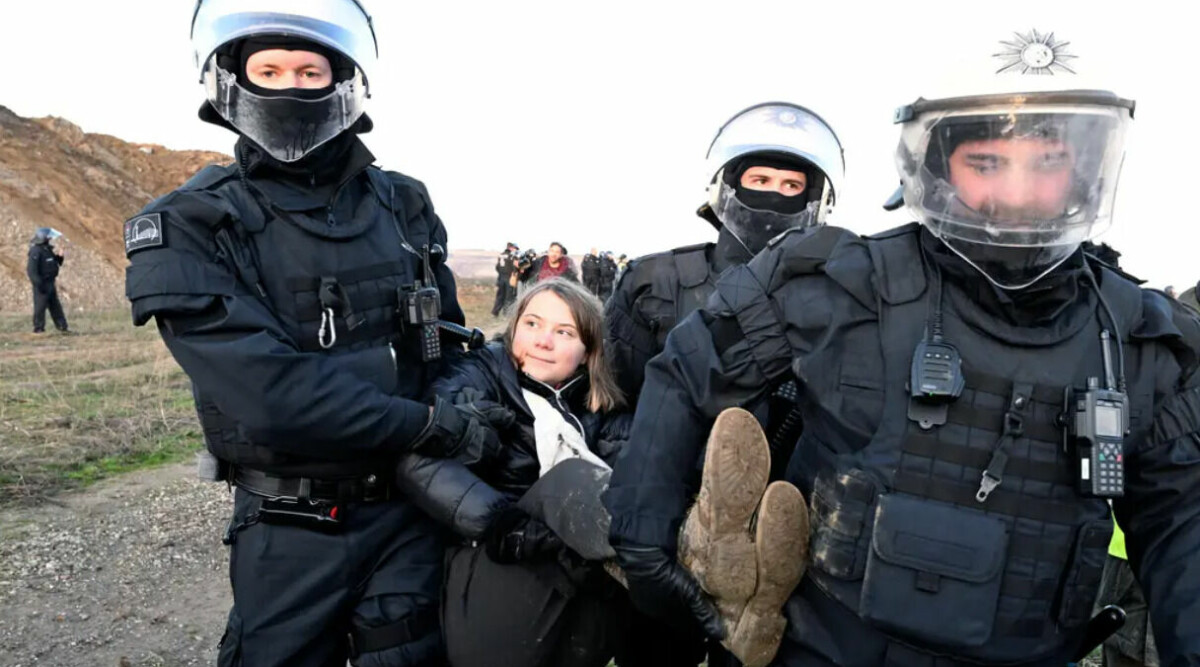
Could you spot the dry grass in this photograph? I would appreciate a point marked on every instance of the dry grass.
(106, 400)
(77, 408)
(476, 298)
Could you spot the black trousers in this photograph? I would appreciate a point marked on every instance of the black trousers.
(505, 295)
(298, 593)
(47, 297)
(556, 612)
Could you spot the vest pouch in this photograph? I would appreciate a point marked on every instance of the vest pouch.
(1081, 584)
(840, 509)
(934, 572)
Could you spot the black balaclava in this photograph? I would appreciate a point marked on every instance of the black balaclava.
(773, 201)
(326, 162)
(1046, 312)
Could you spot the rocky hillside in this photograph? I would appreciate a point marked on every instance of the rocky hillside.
(52, 174)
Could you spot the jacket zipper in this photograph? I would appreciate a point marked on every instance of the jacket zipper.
(561, 406)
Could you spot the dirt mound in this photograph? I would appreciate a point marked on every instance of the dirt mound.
(53, 174)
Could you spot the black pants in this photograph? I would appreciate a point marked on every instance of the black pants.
(553, 612)
(1133, 645)
(505, 295)
(562, 611)
(47, 297)
(299, 593)
(567, 499)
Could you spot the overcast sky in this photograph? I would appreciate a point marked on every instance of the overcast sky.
(587, 123)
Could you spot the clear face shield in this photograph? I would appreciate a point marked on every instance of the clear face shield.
(288, 127)
(47, 235)
(1014, 184)
(755, 227)
(782, 130)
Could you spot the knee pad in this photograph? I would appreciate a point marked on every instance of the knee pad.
(411, 641)
(418, 652)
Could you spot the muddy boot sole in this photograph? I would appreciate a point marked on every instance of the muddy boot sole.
(716, 542)
(781, 553)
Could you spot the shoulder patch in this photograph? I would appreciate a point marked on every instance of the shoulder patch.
(143, 231)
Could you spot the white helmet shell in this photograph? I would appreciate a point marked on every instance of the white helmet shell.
(780, 127)
(341, 25)
(1014, 173)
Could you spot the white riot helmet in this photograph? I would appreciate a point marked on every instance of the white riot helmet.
(786, 136)
(291, 123)
(1014, 181)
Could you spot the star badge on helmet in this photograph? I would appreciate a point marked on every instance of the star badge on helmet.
(1034, 53)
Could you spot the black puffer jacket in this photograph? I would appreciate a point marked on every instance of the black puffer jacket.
(465, 499)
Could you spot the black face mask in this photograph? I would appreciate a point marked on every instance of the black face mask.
(754, 217)
(770, 200)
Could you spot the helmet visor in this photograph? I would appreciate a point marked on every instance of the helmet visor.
(286, 127)
(756, 227)
(1027, 177)
(779, 128)
(341, 25)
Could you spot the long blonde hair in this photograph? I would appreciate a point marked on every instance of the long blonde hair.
(588, 313)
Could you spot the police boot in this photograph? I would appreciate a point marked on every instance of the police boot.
(715, 542)
(781, 550)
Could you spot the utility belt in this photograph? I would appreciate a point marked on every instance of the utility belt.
(369, 488)
(304, 502)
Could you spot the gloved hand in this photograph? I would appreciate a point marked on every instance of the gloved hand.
(492, 413)
(661, 587)
(513, 536)
(458, 432)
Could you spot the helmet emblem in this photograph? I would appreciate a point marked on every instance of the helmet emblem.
(1034, 53)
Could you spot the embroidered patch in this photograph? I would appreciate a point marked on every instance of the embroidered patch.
(144, 231)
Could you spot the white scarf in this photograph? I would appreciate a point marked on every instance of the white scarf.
(556, 439)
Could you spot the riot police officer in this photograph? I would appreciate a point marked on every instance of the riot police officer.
(974, 389)
(299, 288)
(774, 166)
(45, 260)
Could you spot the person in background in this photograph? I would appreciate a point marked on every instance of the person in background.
(591, 271)
(554, 264)
(506, 266)
(45, 260)
(608, 275)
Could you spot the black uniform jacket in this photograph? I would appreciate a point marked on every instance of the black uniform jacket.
(788, 314)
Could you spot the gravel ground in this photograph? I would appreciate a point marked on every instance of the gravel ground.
(129, 572)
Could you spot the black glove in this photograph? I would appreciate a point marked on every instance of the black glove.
(492, 413)
(661, 587)
(513, 536)
(456, 432)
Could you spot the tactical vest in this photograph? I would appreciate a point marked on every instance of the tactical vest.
(899, 535)
(677, 289)
(334, 290)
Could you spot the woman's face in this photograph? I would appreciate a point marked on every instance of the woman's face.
(546, 344)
